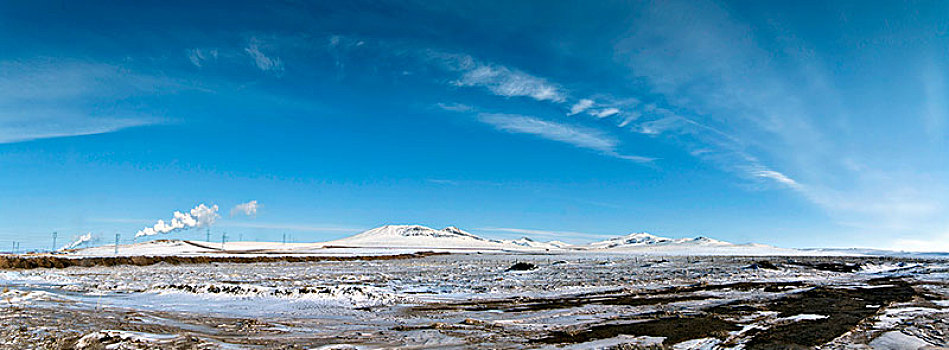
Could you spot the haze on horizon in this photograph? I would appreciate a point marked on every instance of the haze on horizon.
(798, 124)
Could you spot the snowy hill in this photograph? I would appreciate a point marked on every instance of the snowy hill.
(416, 236)
(530, 243)
(644, 243)
(644, 239)
(413, 238)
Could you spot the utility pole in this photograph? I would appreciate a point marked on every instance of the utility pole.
(284, 238)
(223, 239)
(54, 241)
(116, 244)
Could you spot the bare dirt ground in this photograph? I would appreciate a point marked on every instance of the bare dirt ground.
(478, 301)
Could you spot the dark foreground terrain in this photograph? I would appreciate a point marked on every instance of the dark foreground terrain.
(483, 301)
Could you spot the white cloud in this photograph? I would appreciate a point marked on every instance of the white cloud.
(574, 135)
(776, 176)
(659, 126)
(47, 99)
(632, 116)
(580, 137)
(506, 82)
(199, 56)
(455, 107)
(248, 209)
(580, 106)
(15, 128)
(605, 112)
(264, 62)
(500, 80)
(707, 64)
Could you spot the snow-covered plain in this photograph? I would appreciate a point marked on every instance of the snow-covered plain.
(473, 300)
(631, 291)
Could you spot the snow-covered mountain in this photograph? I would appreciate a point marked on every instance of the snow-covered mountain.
(530, 243)
(644, 243)
(416, 236)
(390, 238)
(644, 239)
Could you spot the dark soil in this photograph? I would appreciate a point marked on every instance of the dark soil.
(763, 264)
(845, 308)
(521, 266)
(674, 329)
(665, 296)
(834, 266)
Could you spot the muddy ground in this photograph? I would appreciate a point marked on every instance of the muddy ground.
(470, 301)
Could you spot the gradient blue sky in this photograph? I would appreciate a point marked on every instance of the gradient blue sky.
(799, 123)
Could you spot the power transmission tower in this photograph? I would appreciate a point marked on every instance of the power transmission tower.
(116, 244)
(223, 239)
(54, 241)
(207, 235)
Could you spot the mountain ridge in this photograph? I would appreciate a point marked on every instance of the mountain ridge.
(451, 238)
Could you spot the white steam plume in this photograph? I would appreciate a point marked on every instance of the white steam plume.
(82, 239)
(249, 209)
(200, 216)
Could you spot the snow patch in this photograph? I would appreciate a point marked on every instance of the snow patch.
(895, 340)
(802, 317)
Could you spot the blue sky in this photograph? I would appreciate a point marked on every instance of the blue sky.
(799, 124)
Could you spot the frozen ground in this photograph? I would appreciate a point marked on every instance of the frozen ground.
(566, 300)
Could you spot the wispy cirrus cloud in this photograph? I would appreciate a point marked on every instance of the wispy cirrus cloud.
(53, 98)
(199, 57)
(498, 79)
(263, 62)
(776, 176)
(57, 124)
(455, 107)
(580, 106)
(782, 105)
(574, 135)
(504, 81)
